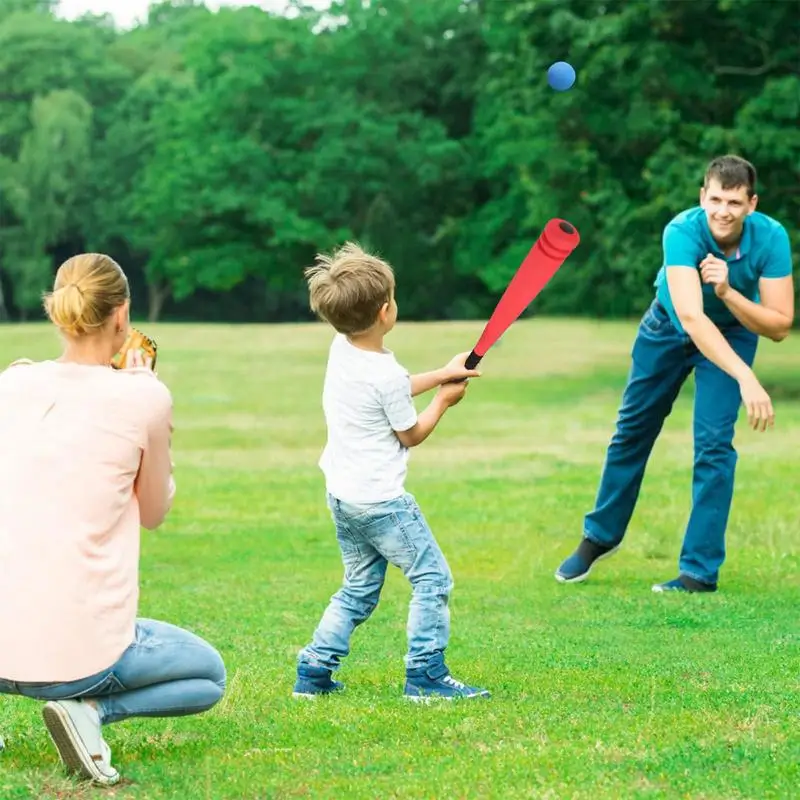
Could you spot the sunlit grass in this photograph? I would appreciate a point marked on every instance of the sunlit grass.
(599, 690)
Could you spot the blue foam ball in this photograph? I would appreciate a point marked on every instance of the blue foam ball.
(561, 76)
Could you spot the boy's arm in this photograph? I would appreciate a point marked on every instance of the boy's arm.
(425, 381)
(424, 425)
(454, 370)
(409, 427)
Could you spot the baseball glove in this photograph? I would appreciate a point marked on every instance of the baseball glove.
(136, 341)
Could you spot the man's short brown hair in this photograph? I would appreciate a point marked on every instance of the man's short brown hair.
(732, 172)
(348, 288)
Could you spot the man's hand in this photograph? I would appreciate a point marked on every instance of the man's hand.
(714, 270)
(760, 414)
(455, 370)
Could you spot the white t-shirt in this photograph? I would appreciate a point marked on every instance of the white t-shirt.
(366, 397)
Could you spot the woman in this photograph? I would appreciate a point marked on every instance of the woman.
(85, 460)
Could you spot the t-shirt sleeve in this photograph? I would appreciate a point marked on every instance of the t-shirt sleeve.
(779, 256)
(395, 398)
(680, 249)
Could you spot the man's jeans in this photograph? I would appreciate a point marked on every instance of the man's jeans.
(662, 360)
(165, 672)
(371, 537)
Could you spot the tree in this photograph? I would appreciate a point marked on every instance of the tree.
(42, 188)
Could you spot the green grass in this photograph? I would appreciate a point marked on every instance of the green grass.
(599, 690)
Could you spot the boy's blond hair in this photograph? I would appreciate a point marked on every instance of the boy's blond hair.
(348, 289)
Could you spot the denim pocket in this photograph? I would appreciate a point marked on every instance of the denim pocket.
(655, 318)
(386, 529)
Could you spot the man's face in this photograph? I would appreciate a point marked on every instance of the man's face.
(726, 210)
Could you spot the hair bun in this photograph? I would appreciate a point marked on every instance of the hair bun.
(88, 288)
(65, 307)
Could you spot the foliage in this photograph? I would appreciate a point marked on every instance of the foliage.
(215, 153)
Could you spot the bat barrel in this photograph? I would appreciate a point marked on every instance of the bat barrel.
(558, 239)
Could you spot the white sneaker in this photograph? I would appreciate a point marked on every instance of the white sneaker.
(77, 734)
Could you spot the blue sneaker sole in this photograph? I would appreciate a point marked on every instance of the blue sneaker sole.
(315, 693)
(435, 698)
(584, 575)
(418, 695)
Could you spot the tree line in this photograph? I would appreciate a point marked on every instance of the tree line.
(214, 153)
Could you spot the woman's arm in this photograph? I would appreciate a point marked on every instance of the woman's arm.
(155, 485)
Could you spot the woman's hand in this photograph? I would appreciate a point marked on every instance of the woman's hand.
(134, 359)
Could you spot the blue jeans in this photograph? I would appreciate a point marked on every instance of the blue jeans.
(370, 538)
(662, 359)
(165, 672)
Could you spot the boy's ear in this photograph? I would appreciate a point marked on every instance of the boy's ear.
(383, 312)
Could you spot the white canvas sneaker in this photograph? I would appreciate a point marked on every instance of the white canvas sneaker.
(77, 734)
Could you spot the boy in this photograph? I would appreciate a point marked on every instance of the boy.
(372, 423)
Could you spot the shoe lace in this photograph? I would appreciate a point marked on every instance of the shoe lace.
(451, 681)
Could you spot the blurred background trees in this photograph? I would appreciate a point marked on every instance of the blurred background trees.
(213, 154)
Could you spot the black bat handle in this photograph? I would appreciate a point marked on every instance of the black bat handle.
(472, 361)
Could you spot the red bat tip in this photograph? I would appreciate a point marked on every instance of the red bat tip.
(559, 236)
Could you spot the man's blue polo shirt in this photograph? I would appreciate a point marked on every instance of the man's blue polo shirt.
(764, 252)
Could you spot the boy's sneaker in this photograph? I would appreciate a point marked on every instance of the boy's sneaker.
(314, 681)
(434, 681)
(77, 734)
(683, 583)
(576, 567)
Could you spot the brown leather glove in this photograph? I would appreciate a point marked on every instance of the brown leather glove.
(136, 341)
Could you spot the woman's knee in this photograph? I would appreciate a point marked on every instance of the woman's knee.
(196, 657)
(212, 667)
(220, 675)
(214, 676)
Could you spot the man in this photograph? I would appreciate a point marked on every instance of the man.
(726, 279)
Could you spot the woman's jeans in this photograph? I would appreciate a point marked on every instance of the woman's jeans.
(165, 672)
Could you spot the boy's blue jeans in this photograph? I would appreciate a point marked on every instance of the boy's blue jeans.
(165, 672)
(662, 358)
(370, 538)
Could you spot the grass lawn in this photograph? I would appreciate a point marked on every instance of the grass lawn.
(601, 690)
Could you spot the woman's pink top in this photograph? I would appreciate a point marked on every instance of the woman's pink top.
(84, 461)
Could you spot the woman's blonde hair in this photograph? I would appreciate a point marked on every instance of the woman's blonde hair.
(88, 289)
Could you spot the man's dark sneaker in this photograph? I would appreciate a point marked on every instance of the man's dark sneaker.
(576, 567)
(314, 681)
(684, 583)
(434, 681)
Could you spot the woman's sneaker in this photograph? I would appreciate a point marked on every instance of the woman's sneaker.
(77, 734)
(435, 681)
